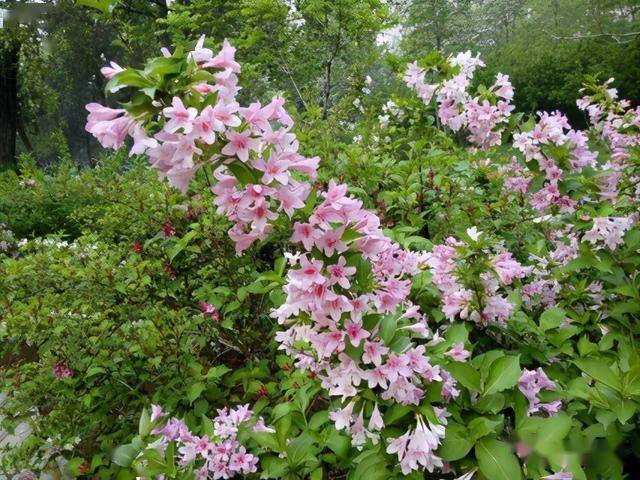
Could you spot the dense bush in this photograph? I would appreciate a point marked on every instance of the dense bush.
(483, 323)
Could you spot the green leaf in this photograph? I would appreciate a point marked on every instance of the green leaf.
(624, 408)
(299, 450)
(496, 460)
(504, 374)
(208, 428)
(217, 372)
(597, 369)
(457, 333)
(318, 419)
(482, 426)
(161, 66)
(94, 371)
(387, 328)
(124, 454)
(395, 413)
(339, 444)
(272, 467)
(105, 6)
(267, 440)
(465, 374)
(242, 172)
(552, 318)
(73, 466)
(127, 78)
(551, 432)
(586, 347)
(457, 443)
(195, 390)
(144, 425)
(372, 467)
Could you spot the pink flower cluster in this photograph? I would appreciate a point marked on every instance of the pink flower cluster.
(608, 230)
(350, 279)
(222, 457)
(544, 288)
(457, 109)
(415, 449)
(552, 131)
(251, 206)
(516, 178)
(209, 310)
(477, 299)
(217, 133)
(110, 126)
(62, 370)
(530, 384)
(618, 125)
(614, 120)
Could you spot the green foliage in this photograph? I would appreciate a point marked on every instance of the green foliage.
(118, 303)
(102, 285)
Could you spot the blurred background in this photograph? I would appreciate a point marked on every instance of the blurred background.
(321, 54)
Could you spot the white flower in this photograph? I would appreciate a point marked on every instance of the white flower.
(474, 233)
(342, 417)
(376, 422)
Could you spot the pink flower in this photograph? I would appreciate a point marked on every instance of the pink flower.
(204, 88)
(309, 273)
(141, 141)
(257, 215)
(244, 462)
(376, 376)
(373, 352)
(168, 230)
(256, 117)
(331, 241)
(559, 476)
(62, 370)
(339, 273)
(111, 70)
(209, 310)
(305, 233)
(274, 169)
(530, 384)
(200, 54)
(458, 353)
(244, 240)
(109, 126)
(396, 366)
(608, 230)
(224, 59)
(449, 390)
(224, 115)
(179, 116)
(156, 412)
(376, 422)
(204, 126)
(275, 110)
(508, 268)
(240, 144)
(342, 417)
(355, 332)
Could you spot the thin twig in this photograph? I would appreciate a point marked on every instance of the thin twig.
(577, 36)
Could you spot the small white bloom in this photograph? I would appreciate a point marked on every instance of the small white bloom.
(474, 233)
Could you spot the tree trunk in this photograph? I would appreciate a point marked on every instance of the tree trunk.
(9, 56)
(327, 90)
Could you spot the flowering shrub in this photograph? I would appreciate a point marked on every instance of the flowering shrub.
(216, 453)
(254, 168)
(476, 296)
(482, 115)
(505, 349)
